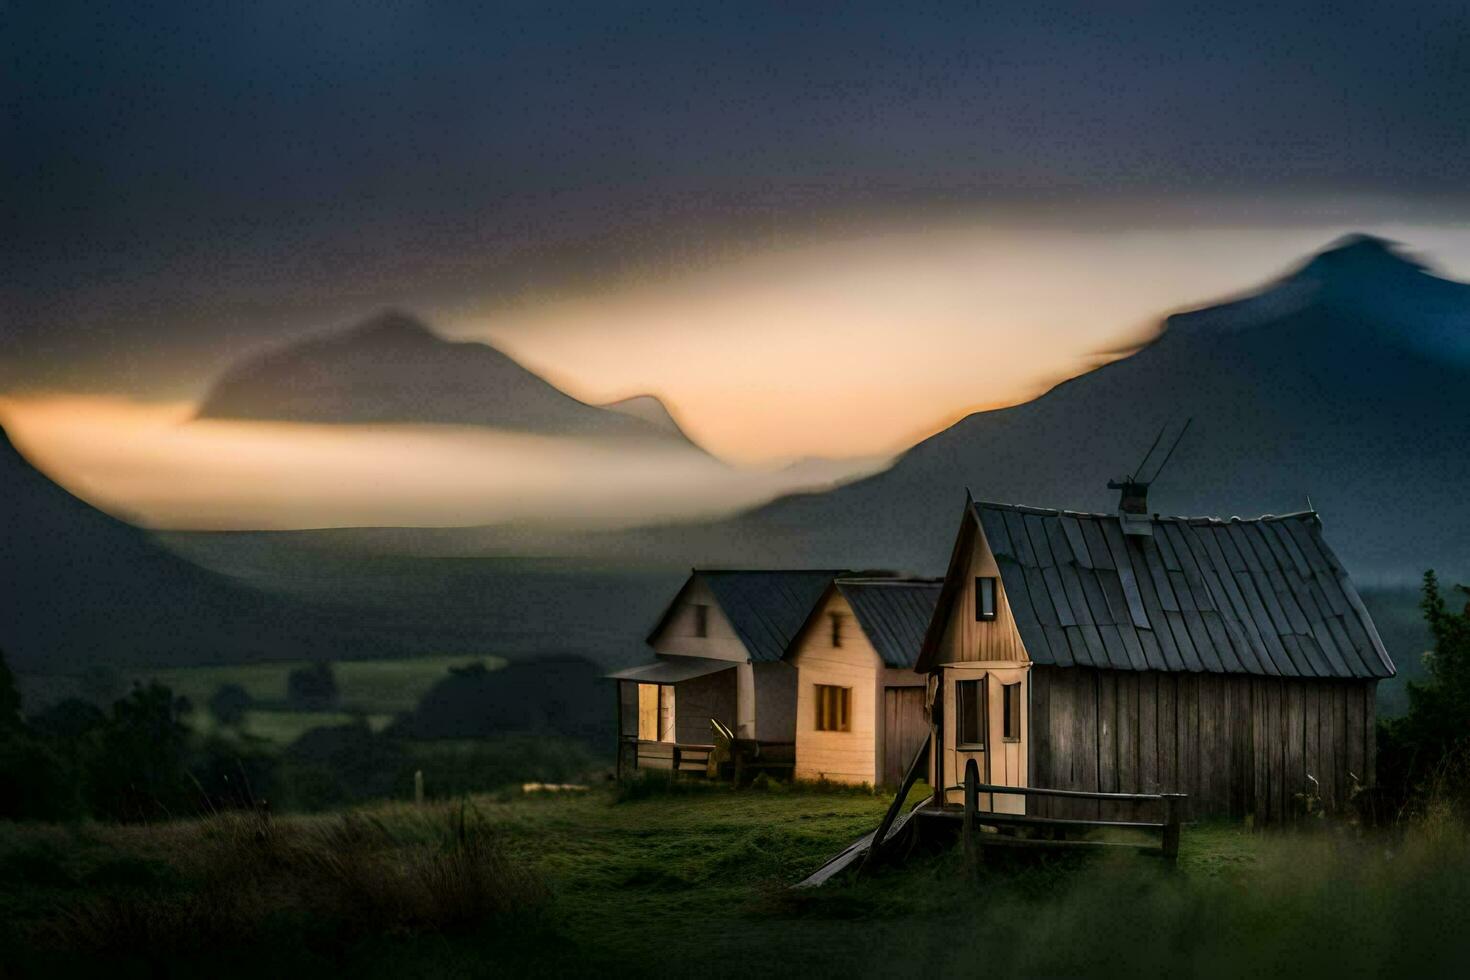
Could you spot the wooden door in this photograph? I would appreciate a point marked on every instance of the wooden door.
(904, 730)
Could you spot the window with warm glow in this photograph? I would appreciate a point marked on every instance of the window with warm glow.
(970, 713)
(656, 712)
(833, 706)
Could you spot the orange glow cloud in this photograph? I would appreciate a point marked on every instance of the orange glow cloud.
(147, 463)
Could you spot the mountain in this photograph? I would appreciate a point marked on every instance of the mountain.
(1346, 381)
(393, 369)
(650, 409)
(80, 587)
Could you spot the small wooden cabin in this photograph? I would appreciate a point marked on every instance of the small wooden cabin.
(720, 648)
(859, 703)
(1231, 660)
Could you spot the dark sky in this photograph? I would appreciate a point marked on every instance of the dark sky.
(184, 176)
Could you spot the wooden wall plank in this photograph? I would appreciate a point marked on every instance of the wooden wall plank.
(1188, 715)
(1311, 732)
(1168, 733)
(1356, 738)
(1107, 731)
(1240, 745)
(1259, 804)
(1148, 732)
(1127, 731)
(1296, 780)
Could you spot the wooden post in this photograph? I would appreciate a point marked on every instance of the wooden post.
(418, 787)
(972, 801)
(1173, 803)
(618, 724)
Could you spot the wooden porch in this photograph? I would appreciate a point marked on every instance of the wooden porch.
(737, 760)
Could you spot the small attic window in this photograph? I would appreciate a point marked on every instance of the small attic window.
(836, 619)
(984, 598)
(701, 619)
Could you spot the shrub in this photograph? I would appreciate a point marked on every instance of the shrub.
(312, 687)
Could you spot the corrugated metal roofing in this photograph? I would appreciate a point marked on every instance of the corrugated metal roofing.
(1264, 596)
(767, 608)
(894, 613)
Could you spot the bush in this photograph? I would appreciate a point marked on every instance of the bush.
(313, 687)
(228, 705)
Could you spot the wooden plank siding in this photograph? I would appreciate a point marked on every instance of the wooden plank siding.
(1237, 744)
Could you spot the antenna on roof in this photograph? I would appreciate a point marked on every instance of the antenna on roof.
(1138, 470)
(1177, 440)
(1133, 503)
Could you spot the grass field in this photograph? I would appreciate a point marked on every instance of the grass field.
(695, 884)
(378, 689)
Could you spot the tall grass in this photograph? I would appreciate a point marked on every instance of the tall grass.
(244, 879)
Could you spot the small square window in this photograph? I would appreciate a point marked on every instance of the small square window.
(970, 713)
(832, 708)
(1011, 726)
(984, 598)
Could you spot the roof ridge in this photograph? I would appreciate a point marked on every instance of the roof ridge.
(1178, 518)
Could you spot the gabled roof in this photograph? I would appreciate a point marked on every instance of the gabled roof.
(1264, 596)
(767, 608)
(893, 613)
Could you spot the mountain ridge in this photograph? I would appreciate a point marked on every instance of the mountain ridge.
(1342, 380)
(393, 369)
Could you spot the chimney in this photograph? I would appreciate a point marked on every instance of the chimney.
(1133, 507)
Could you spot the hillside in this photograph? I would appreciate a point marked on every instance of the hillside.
(80, 587)
(392, 369)
(1346, 381)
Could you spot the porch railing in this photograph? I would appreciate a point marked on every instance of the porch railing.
(1058, 828)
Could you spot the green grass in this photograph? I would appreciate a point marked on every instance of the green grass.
(378, 689)
(367, 686)
(284, 727)
(695, 884)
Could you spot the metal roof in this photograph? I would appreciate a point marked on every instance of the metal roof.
(766, 607)
(1264, 596)
(893, 613)
(672, 670)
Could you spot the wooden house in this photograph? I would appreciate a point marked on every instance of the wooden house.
(1231, 660)
(859, 703)
(720, 651)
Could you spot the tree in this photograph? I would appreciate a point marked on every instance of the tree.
(1428, 749)
(312, 687)
(135, 764)
(229, 704)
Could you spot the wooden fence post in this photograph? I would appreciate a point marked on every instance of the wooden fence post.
(972, 801)
(418, 787)
(1173, 802)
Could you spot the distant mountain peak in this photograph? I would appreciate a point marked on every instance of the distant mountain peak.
(394, 326)
(1355, 256)
(393, 369)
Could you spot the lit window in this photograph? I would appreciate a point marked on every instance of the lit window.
(836, 628)
(1011, 728)
(984, 598)
(970, 713)
(701, 620)
(832, 705)
(656, 712)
